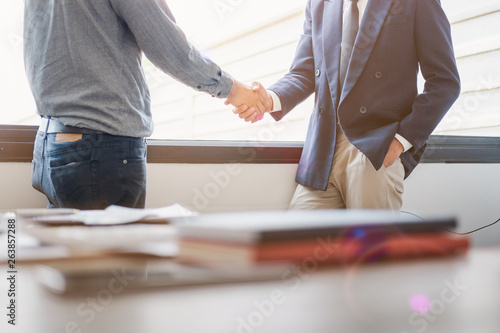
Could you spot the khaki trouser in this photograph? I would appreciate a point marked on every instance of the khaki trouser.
(354, 183)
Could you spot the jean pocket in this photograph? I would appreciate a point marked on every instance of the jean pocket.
(70, 157)
(138, 150)
(72, 185)
(134, 175)
(66, 153)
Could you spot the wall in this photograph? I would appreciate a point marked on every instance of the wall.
(469, 191)
(15, 187)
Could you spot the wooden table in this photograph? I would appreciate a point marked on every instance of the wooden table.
(460, 295)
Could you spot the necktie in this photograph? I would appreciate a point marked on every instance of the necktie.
(350, 29)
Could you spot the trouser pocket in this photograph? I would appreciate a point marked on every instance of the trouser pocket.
(73, 185)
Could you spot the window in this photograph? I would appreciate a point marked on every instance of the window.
(476, 37)
(256, 40)
(18, 107)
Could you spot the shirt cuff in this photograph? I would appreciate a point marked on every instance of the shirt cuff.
(224, 86)
(406, 144)
(276, 101)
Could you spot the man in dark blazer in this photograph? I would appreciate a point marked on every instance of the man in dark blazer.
(367, 132)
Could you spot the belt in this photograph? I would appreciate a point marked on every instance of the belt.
(55, 126)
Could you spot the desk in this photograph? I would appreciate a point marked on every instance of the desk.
(464, 294)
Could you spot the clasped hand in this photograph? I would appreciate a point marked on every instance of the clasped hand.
(251, 103)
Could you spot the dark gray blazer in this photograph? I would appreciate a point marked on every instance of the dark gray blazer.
(379, 98)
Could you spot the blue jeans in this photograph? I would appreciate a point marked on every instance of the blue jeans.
(92, 173)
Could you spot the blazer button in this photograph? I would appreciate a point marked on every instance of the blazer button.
(363, 110)
(378, 75)
(321, 111)
(318, 72)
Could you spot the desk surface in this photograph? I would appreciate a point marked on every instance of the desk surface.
(463, 295)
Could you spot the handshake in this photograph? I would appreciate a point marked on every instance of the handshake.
(251, 103)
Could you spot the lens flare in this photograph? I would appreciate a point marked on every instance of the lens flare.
(420, 303)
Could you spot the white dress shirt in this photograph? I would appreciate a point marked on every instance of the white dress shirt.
(361, 7)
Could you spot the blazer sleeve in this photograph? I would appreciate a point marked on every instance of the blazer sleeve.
(298, 83)
(437, 63)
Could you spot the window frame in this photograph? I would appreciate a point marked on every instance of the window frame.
(16, 145)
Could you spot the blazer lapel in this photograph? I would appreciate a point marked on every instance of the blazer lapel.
(369, 30)
(331, 40)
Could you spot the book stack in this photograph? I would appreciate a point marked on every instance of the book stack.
(326, 236)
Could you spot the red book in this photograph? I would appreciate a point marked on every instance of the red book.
(329, 236)
(345, 250)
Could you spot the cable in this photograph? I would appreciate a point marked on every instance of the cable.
(410, 213)
(473, 231)
(453, 232)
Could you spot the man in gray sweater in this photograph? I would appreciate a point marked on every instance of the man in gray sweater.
(83, 63)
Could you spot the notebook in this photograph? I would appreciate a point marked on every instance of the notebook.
(275, 226)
